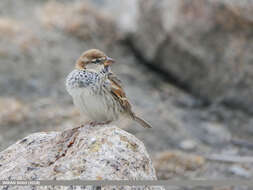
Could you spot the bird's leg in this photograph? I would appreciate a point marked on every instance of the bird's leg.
(78, 127)
(105, 122)
(94, 123)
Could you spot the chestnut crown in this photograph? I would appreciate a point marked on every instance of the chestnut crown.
(93, 56)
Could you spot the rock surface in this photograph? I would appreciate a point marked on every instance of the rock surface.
(94, 153)
(204, 45)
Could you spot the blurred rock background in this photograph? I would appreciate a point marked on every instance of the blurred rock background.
(186, 66)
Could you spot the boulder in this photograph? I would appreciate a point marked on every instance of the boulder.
(87, 153)
(205, 46)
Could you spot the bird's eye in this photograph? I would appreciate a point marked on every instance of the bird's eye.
(93, 61)
(98, 60)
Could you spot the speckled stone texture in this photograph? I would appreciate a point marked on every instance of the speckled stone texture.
(94, 153)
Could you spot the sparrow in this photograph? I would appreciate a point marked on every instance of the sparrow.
(97, 92)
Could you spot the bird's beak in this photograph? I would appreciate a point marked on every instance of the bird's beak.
(109, 61)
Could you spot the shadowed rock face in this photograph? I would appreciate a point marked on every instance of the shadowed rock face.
(206, 45)
(94, 153)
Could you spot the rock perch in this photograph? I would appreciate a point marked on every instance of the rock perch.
(88, 153)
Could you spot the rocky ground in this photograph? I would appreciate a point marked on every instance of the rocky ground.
(185, 65)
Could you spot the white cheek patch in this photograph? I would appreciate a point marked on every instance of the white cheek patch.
(94, 67)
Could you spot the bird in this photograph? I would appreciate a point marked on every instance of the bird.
(97, 92)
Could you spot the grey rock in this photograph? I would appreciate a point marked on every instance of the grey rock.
(88, 153)
(206, 45)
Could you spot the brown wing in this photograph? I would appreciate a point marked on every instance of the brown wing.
(113, 78)
(118, 92)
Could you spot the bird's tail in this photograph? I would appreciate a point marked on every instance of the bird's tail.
(142, 122)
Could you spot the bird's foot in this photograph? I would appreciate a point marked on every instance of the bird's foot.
(76, 128)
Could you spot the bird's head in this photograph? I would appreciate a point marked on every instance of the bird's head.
(93, 59)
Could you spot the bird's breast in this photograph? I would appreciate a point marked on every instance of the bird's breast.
(80, 79)
(91, 95)
(96, 106)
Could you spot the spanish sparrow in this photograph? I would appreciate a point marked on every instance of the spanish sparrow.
(97, 92)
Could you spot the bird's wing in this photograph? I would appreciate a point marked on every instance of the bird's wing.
(120, 96)
(113, 78)
(118, 92)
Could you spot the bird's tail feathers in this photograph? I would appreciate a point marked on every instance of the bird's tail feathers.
(142, 122)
